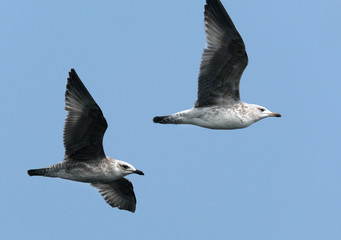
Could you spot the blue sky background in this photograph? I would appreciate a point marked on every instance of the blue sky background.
(278, 179)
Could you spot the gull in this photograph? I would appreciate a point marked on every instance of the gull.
(85, 160)
(223, 61)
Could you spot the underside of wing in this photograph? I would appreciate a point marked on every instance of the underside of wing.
(119, 193)
(223, 60)
(85, 124)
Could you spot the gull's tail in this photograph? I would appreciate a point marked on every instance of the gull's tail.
(51, 171)
(163, 119)
(38, 172)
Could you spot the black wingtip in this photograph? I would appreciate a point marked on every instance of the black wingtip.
(72, 73)
(74, 83)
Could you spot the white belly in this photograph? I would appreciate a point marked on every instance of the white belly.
(86, 172)
(214, 118)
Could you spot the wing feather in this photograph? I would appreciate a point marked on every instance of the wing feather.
(85, 124)
(119, 193)
(223, 60)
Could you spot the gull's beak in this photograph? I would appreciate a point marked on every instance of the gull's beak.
(275, 115)
(138, 172)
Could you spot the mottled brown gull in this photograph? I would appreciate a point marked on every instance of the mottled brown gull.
(85, 160)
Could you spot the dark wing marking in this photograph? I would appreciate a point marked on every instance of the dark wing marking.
(119, 193)
(223, 61)
(85, 124)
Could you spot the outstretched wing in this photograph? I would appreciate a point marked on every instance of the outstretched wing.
(85, 124)
(119, 193)
(223, 60)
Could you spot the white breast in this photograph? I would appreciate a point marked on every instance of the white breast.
(218, 118)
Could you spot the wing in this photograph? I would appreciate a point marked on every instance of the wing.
(223, 60)
(119, 193)
(85, 124)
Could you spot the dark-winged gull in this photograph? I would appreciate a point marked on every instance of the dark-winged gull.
(85, 160)
(223, 61)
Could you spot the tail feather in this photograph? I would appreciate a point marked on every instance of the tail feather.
(37, 172)
(162, 119)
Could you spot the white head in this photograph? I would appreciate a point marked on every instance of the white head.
(125, 168)
(259, 112)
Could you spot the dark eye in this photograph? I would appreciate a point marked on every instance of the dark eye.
(261, 109)
(124, 166)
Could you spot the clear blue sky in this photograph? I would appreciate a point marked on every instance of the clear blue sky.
(278, 179)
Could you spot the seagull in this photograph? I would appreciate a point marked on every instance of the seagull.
(223, 61)
(85, 160)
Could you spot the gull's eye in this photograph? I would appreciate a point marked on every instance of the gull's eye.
(261, 109)
(124, 166)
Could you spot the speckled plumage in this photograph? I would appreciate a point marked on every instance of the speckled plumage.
(105, 170)
(240, 115)
(223, 61)
(85, 160)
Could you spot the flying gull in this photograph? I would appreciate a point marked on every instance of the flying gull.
(85, 160)
(223, 61)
